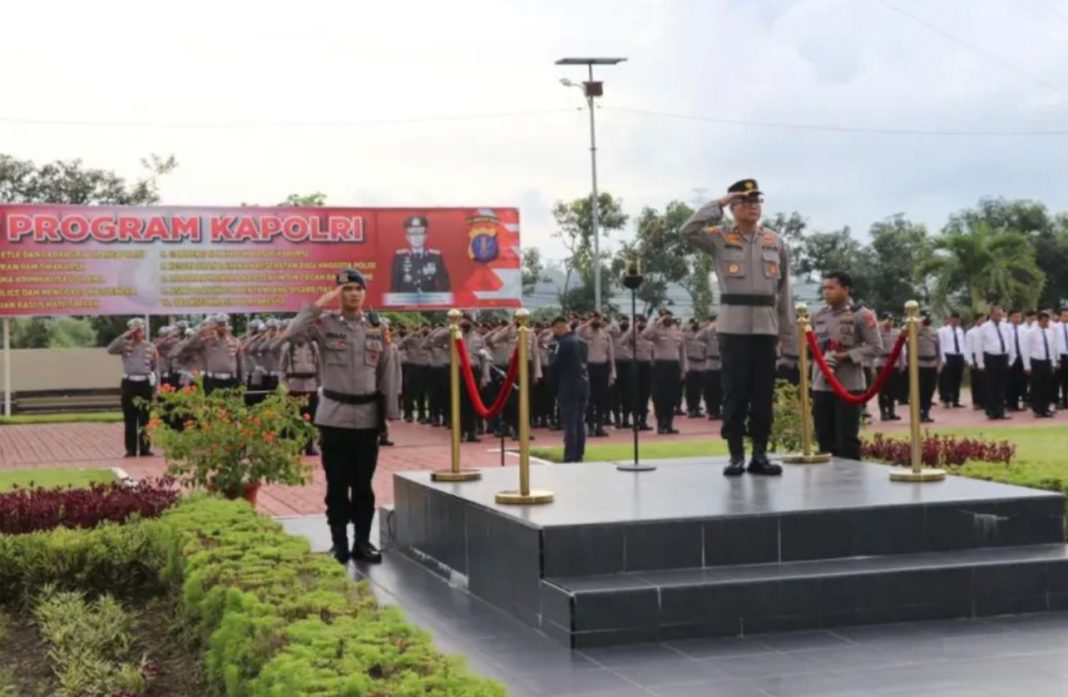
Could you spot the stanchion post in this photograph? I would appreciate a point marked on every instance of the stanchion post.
(632, 279)
(806, 457)
(524, 495)
(455, 473)
(917, 472)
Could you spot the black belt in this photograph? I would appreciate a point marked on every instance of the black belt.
(748, 299)
(302, 375)
(354, 399)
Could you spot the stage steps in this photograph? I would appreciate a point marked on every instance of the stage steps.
(600, 610)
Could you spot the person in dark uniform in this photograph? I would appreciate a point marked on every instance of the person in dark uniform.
(358, 379)
(569, 371)
(139, 378)
(418, 269)
(848, 335)
(756, 312)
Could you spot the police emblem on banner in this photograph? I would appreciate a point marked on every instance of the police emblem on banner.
(482, 232)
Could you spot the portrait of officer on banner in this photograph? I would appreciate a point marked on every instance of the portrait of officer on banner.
(418, 269)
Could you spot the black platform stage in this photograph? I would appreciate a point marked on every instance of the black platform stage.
(684, 552)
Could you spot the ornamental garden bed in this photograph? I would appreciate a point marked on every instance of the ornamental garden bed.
(201, 596)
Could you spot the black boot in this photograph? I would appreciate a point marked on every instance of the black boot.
(760, 464)
(737, 463)
(365, 551)
(339, 535)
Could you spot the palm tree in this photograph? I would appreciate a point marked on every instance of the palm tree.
(977, 264)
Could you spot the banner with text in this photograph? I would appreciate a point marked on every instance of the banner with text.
(171, 260)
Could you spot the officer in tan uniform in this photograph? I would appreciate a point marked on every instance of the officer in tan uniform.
(217, 352)
(358, 377)
(642, 371)
(892, 387)
(416, 374)
(303, 369)
(696, 368)
(474, 343)
(669, 365)
(601, 364)
(848, 334)
(929, 353)
(437, 348)
(139, 378)
(713, 387)
(756, 311)
(623, 392)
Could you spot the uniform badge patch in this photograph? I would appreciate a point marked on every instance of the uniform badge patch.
(733, 268)
(482, 231)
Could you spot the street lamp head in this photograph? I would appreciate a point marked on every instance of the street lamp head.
(567, 83)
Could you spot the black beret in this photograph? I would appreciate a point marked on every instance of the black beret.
(351, 276)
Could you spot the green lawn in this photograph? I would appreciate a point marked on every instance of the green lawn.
(1041, 453)
(51, 478)
(67, 418)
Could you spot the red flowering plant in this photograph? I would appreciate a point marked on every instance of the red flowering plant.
(219, 442)
(938, 451)
(33, 508)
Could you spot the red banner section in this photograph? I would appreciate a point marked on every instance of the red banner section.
(115, 260)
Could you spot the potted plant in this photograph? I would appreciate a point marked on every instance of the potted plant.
(218, 442)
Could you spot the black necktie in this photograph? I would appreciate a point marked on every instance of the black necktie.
(997, 328)
(1016, 334)
(956, 344)
(1045, 342)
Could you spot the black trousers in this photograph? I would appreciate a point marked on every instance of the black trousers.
(695, 382)
(572, 414)
(350, 456)
(1016, 385)
(928, 380)
(212, 384)
(134, 417)
(1063, 379)
(645, 382)
(950, 378)
(789, 373)
(978, 387)
(1043, 387)
(667, 381)
(439, 393)
(994, 376)
(415, 390)
(748, 388)
(597, 414)
(888, 395)
(490, 392)
(623, 391)
(714, 392)
(837, 425)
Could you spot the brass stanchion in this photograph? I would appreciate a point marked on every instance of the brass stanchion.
(524, 495)
(806, 456)
(455, 473)
(917, 473)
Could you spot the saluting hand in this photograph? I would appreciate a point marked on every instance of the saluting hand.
(328, 297)
(730, 198)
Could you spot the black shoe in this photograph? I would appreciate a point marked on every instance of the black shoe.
(672, 431)
(736, 468)
(893, 417)
(147, 453)
(472, 438)
(760, 465)
(130, 455)
(625, 424)
(386, 442)
(365, 551)
(600, 433)
(340, 548)
(311, 452)
(645, 427)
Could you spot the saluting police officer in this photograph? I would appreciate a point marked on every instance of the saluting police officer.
(358, 377)
(713, 389)
(139, 366)
(669, 365)
(888, 395)
(216, 351)
(929, 356)
(756, 310)
(303, 370)
(848, 335)
(601, 365)
(418, 269)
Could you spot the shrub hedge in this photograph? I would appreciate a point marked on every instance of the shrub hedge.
(275, 619)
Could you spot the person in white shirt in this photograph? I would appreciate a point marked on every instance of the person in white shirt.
(1060, 329)
(951, 343)
(973, 349)
(1039, 359)
(997, 352)
(1016, 380)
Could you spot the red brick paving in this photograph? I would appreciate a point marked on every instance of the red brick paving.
(418, 448)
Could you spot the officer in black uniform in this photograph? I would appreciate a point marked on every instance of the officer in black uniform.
(418, 269)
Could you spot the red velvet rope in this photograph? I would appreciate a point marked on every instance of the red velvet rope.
(842, 392)
(472, 388)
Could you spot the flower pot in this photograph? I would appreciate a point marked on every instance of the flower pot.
(248, 491)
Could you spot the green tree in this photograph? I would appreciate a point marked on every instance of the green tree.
(574, 229)
(974, 265)
(898, 248)
(791, 227)
(315, 200)
(533, 270)
(70, 182)
(824, 252)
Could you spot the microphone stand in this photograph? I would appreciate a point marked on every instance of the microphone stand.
(632, 279)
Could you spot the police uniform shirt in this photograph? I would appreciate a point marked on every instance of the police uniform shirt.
(696, 350)
(888, 337)
(667, 343)
(355, 361)
(621, 350)
(710, 336)
(437, 347)
(847, 329)
(1041, 346)
(946, 336)
(752, 272)
(253, 363)
(217, 355)
(995, 338)
(300, 360)
(545, 340)
(419, 271)
(598, 343)
(138, 358)
(415, 351)
(509, 335)
(928, 351)
(501, 345)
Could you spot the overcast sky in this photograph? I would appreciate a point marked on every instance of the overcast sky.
(230, 89)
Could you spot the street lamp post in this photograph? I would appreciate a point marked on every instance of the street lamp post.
(592, 89)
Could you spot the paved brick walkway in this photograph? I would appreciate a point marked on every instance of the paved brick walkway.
(418, 448)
